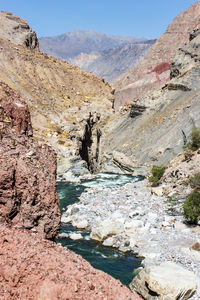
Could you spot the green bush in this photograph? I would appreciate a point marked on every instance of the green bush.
(194, 143)
(191, 207)
(194, 181)
(157, 172)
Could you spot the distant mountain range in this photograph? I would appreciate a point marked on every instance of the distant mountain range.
(104, 55)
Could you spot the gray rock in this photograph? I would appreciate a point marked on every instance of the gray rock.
(17, 30)
(168, 281)
(105, 229)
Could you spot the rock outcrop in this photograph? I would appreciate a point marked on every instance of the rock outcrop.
(154, 128)
(154, 70)
(28, 197)
(17, 30)
(61, 99)
(167, 281)
(32, 268)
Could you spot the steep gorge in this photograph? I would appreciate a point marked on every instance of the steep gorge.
(60, 96)
(32, 267)
(72, 111)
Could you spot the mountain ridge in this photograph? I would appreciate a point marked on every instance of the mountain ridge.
(79, 45)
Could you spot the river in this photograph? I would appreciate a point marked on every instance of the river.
(119, 265)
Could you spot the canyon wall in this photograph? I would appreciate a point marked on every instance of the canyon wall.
(154, 70)
(155, 127)
(28, 197)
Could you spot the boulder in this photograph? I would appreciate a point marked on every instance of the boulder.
(80, 224)
(75, 236)
(158, 191)
(134, 225)
(167, 281)
(106, 229)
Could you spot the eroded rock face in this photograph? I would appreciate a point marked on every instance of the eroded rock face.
(32, 268)
(61, 98)
(158, 133)
(168, 281)
(154, 70)
(17, 31)
(28, 197)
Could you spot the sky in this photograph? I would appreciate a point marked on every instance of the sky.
(140, 18)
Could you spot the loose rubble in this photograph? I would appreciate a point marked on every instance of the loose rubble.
(133, 218)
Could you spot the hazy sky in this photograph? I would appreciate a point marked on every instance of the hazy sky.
(141, 18)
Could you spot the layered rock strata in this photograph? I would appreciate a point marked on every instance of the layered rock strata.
(154, 70)
(28, 197)
(155, 127)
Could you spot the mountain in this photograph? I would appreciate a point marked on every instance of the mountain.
(96, 52)
(154, 70)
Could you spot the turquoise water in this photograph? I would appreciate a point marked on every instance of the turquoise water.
(107, 259)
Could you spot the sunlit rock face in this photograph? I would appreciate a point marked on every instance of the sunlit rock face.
(154, 70)
(17, 31)
(154, 128)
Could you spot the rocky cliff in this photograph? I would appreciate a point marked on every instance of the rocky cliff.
(17, 30)
(155, 127)
(28, 197)
(62, 99)
(104, 55)
(154, 70)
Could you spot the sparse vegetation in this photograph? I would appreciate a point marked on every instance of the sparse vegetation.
(194, 143)
(174, 203)
(194, 181)
(188, 153)
(191, 207)
(157, 173)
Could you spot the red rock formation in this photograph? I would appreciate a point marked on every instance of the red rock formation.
(28, 197)
(154, 70)
(17, 30)
(32, 268)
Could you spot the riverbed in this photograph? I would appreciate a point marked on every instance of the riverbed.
(119, 265)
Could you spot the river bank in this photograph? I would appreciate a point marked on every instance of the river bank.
(108, 259)
(132, 218)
